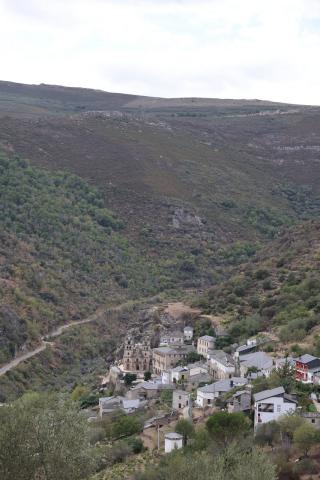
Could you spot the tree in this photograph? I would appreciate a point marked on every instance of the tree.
(79, 392)
(305, 437)
(126, 426)
(129, 378)
(147, 376)
(191, 357)
(268, 433)
(283, 376)
(225, 427)
(185, 428)
(235, 463)
(289, 424)
(44, 437)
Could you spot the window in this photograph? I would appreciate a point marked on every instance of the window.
(209, 401)
(313, 420)
(278, 408)
(266, 407)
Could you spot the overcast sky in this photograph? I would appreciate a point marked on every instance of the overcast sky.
(268, 49)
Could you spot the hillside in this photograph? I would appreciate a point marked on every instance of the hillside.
(108, 197)
(62, 254)
(278, 289)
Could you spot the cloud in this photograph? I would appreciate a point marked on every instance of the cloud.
(210, 48)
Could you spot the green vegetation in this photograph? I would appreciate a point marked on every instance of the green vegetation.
(278, 288)
(185, 428)
(226, 427)
(63, 254)
(44, 437)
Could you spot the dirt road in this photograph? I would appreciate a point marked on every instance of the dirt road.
(55, 333)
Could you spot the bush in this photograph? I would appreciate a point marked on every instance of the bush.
(136, 444)
(126, 426)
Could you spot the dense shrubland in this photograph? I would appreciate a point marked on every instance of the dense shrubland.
(279, 288)
(62, 253)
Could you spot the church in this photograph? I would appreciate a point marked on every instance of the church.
(137, 357)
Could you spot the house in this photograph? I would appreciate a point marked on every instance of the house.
(312, 417)
(259, 361)
(271, 404)
(148, 390)
(248, 347)
(188, 333)
(239, 402)
(180, 399)
(197, 367)
(221, 364)
(172, 441)
(175, 337)
(198, 379)
(205, 344)
(306, 367)
(166, 357)
(108, 405)
(174, 375)
(206, 395)
(281, 362)
(186, 373)
(137, 357)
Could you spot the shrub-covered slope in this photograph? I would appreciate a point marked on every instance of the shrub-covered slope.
(62, 253)
(278, 289)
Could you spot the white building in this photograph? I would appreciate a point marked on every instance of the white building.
(172, 441)
(271, 404)
(221, 364)
(206, 395)
(183, 374)
(205, 344)
(188, 333)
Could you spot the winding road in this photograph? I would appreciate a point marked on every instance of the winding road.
(55, 333)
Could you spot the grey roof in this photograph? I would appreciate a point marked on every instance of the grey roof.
(173, 333)
(200, 378)
(290, 398)
(241, 392)
(179, 369)
(273, 392)
(178, 349)
(110, 402)
(282, 361)
(259, 360)
(307, 358)
(173, 436)
(130, 404)
(207, 338)
(147, 385)
(223, 385)
(188, 328)
(244, 348)
(222, 357)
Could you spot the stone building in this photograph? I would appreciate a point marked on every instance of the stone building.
(205, 344)
(180, 399)
(137, 357)
(167, 357)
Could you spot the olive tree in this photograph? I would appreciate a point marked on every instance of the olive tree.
(44, 437)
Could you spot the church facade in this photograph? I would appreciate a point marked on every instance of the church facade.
(137, 357)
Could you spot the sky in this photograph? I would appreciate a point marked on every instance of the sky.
(266, 49)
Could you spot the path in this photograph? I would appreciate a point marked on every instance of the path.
(55, 333)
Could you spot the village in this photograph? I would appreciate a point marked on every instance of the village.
(184, 376)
